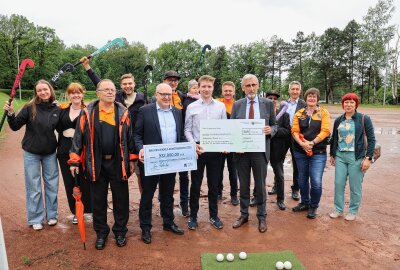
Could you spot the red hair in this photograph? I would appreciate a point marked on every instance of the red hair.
(350, 96)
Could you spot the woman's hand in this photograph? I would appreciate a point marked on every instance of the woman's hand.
(365, 164)
(307, 145)
(9, 108)
(333, 161)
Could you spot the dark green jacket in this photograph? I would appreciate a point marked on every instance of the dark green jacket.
(359, 145)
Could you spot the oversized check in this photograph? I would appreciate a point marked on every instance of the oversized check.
(169, 158)
(232, 135)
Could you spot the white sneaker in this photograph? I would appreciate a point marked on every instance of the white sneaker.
(74, 220)
(37, 227)
(350, 217)
(336, 214)
(52, 222)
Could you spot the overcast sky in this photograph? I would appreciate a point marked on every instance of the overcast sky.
(214, 22)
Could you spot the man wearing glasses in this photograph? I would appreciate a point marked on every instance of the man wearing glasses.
(158, 123)
(253, 107)
(172, 78)
(104, 134)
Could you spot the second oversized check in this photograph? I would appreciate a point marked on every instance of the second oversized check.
(169, 158)
(232, 135)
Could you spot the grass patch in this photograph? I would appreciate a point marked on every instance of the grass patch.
(254, 261)
(26, 260)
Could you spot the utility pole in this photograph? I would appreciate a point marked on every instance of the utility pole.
(386, 69)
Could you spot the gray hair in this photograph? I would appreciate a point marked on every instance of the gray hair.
(294, 82)
(192, 83)
(248, 77)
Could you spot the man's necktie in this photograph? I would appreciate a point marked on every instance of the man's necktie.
(251, 110)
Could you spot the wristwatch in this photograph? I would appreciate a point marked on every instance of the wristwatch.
(369, 158)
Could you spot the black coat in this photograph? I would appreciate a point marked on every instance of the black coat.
(147, 129)
(281, 141)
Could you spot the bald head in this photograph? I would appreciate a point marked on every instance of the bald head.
(163, 95)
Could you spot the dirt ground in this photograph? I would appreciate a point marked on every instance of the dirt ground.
(370, 242)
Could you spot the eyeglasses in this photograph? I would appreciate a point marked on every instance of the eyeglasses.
(251, 85)
(172, 80)
(165, 95)
(108, 90)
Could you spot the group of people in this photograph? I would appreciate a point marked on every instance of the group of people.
(102, 144)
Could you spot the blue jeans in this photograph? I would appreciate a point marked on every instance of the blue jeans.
(310, 177)
(34, 166)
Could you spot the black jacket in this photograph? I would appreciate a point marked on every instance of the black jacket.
(39, 135)
(87, 141)
(281, 141)
(147, 129)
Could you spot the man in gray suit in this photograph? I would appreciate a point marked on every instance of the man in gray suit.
(254, 107)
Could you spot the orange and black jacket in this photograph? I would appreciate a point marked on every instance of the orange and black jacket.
(86, 145)
(318, 125)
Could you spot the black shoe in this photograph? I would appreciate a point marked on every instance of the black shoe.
(312, 212)
(234, 200)
(173, 228)
(100, 243)
(120, 240)
(253, 202)
(281, 205)
(273, 191)
(185, 210)
(295, 195)
(146, 237)
(300, 207)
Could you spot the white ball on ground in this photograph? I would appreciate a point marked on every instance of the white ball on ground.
(243, 255)
(220, 257)
(279, 265)
(287, 265)
(230, 257)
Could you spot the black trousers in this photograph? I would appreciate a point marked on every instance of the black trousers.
(184, 187)
(277, 166)
(295, 185)
(69, 184)
(212, 162)
(120, 197)
(233, 178)
(166, 184)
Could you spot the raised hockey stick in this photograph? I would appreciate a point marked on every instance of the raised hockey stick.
(22, 67)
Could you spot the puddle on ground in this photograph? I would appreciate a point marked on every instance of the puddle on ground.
(387, 131)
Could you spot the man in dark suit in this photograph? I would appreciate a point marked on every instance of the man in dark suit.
(254, 107)
(295, 103)
(279, 147)
(158, 123)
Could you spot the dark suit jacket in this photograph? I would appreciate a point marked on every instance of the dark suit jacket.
(266, 112)
(147, 128)
(281, 141)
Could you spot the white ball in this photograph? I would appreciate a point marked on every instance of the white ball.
(243, 255)
(220, 257)
(279, 265)
(287, 265)
(230, 257)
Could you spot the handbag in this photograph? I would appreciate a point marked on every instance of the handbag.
(377, 149)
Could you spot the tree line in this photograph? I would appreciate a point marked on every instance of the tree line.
(357, 59)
